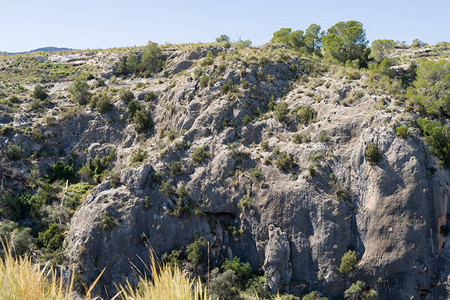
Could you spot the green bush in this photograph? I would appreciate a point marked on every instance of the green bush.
(245, 202)
(126, 95)
(121, 69)
(242, 270)
(204, 81)
(299, 138)
(94, 171)
(245, 120)
(108, 222)
(372, 154)
(14, 152)
(104, 104)
(228, 87)
(133, 107)
(402, 131)
(348, 262)
(360, 290)
(323, 136)
(199, 155)
(150, 96)
(284, 162)
(80, 91)
(437, 136)
(305, 114)
(195, 250)
(22, 241)
(62, 171)
(314, 295)
(176, 168)
(14, 99)
(40, 92)
(223, 285)
(282, 112)
(75, 194)
(139, 156)
(142, 122)
(166, 189)
(51, 239)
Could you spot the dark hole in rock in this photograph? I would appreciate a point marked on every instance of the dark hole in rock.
(424, 294)
(222, 216)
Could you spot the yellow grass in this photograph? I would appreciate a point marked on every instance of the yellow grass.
(21, 280)
(168, 284)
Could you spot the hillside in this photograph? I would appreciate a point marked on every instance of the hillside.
(282, 158)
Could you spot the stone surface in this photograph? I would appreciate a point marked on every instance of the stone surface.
(295, 228)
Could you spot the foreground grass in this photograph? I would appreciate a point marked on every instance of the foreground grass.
(20, 279)
(168, 283)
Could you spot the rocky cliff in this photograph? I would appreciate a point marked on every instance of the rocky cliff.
(225, 153)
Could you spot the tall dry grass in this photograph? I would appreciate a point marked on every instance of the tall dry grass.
(20, 279)
(167, 284)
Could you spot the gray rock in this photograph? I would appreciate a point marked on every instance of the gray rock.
(277, 263)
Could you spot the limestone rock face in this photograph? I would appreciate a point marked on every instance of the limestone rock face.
(295, 223)
(277, 263)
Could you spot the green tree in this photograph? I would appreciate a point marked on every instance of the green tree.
(133, 63)
(430, 93)
(80, 91)
(243, 43)
(348, 262)
(418, 43)
(313, 37)
(438, 137)
(223, 39)
(286, 36)
(346, 41)
(151, 61)
(382, 49)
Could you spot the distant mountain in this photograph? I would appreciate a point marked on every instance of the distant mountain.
(44, 49)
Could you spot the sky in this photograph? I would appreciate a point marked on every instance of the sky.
(93, 24)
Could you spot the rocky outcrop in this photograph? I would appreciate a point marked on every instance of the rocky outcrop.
(277, 263)
(295, 223)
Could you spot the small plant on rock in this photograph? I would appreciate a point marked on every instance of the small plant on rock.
(14, 152)
(108, 222)
(199, 155)
(348, 262)
(372, 154)
(284, 162)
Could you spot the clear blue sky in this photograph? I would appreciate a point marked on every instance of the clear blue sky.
(83, 24)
